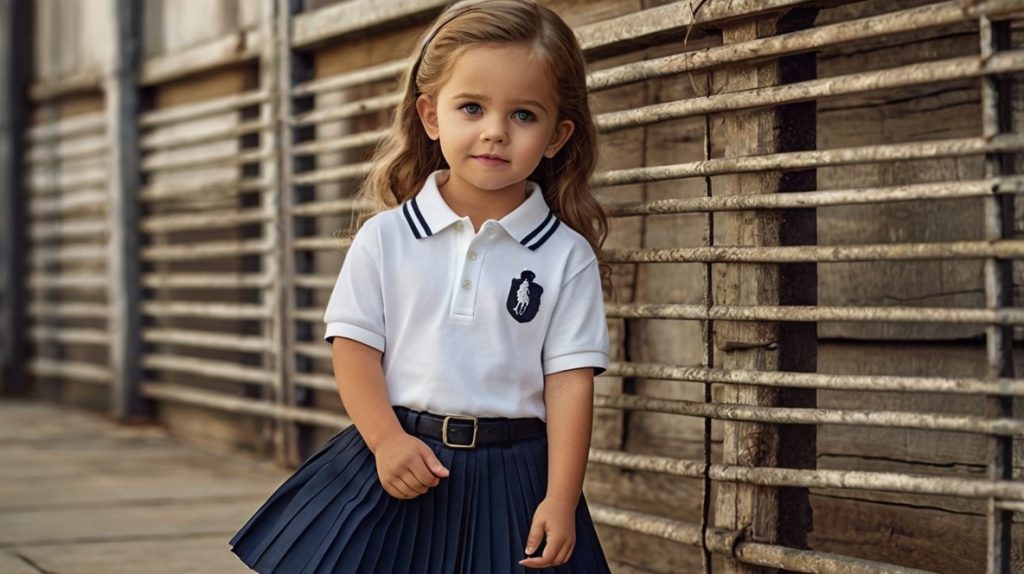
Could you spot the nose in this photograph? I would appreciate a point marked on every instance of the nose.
(494, 131)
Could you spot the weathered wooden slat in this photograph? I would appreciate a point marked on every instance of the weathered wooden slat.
(67, 310)
(346, 142)
(874, 383)
(790, 161)
(347, 110)
(819, 313)
(338, 20)
(227, 403)
(84, 124)
(206, 340)
(856, 480)
(165, 280)
(168, 162)
(732, 544)
(784, 415)
(316, 350)
(332, 174)
(329, 207)
(315, 315)
(81, 83)
(42, 280)
(206, 250)
(385, 71)
(204, 220)
(80, 228)
(206, 367)
(68, 254)
(315, 381)
(87, 202)
(58, 180)
(238, 311)
(63, 152)
(206, 108)
(1006, 249)
(69, 335)
(163, 142)
(916, 19)
(171, 191)
(919, 74)
(320, 244)
(315, 281)
(75, 370)
(234, 48)
(912, 192)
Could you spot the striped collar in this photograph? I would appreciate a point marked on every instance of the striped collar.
(531, 224)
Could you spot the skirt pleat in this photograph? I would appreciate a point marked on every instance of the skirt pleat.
(333, 516)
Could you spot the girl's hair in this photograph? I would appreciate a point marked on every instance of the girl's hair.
(406, 156)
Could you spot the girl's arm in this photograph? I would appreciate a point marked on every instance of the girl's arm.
(406, 466)
(569, 402)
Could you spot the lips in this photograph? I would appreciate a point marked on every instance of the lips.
(490, 160)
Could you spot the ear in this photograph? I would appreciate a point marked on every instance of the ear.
(426, 107)
(563, 131)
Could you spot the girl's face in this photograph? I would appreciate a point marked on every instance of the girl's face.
(496, 116)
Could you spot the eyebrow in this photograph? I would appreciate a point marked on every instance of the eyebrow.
(481, 97)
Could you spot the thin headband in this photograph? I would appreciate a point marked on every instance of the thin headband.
(430, 38)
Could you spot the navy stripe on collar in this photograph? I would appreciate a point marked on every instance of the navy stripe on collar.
(543, 239)
(544, 224)
(419, 216)
(408, 218)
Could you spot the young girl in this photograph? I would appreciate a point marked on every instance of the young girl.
(466, 324)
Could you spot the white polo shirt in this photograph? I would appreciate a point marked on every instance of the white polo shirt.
(469, 323)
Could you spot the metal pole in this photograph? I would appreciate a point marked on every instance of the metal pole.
(124, 292)
(15, 63)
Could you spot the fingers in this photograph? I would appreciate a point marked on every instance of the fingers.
(557, 551)
(433, 463)
(430, 470)
(422, 471)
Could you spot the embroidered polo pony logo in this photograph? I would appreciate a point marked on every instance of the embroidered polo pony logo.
(524, 297)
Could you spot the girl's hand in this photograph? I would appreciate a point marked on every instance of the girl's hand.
(555, 521)
(406, 466)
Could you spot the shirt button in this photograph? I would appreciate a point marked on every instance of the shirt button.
(459, 227)
(471, 255)
(491, 230)
(467, 284)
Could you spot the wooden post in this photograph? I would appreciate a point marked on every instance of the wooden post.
(124, 290)
(273, 27)
(765, 514)
(997, 110)
(15, 64)
(293, 67)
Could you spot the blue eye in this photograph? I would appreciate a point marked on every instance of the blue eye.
(471, 109)
(524, 115)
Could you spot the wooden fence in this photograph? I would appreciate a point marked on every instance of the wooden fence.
(815, 240)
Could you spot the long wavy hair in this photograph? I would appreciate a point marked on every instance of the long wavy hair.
(406, 156)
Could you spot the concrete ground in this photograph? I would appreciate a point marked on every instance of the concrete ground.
(81, 494)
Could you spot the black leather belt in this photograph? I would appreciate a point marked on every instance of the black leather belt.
(460, 431)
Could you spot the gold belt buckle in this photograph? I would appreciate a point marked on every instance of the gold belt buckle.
(444, 431)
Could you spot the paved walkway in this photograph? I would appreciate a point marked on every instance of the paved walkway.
(80, 494)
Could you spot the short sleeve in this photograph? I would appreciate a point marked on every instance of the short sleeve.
(356, 307)
(578, 334)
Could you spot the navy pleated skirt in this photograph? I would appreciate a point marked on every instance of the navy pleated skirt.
(333, 516)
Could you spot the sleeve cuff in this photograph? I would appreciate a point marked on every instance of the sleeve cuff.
(595, 359)
(356, 333)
